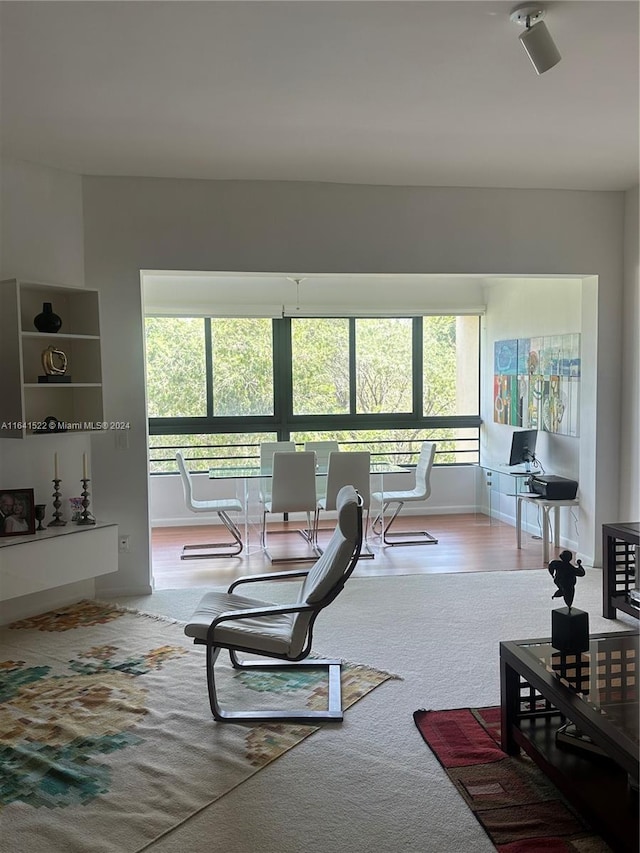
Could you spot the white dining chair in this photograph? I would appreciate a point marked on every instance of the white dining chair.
(267, 449)
(222, 507)
(421, 491)
(346, 468)
(293, 489)
(322, 449)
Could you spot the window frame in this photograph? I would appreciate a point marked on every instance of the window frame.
(283, 422)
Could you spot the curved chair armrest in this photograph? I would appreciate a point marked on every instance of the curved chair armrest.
(249, 613)
(269, 576)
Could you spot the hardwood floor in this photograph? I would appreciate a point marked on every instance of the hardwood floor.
(467, 543)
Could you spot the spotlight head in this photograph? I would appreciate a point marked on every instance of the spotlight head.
(536, 40)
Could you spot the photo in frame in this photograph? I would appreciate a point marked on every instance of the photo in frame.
(17, 512)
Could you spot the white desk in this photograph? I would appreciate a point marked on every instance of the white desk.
(501, 482)
(546, 506)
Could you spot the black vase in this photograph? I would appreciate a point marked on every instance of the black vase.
(47, 321)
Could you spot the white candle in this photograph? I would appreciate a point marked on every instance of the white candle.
(55, 466)
(84, 466)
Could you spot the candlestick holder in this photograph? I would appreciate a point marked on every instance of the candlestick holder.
(40, 513)
(57, 503)
(85, 515)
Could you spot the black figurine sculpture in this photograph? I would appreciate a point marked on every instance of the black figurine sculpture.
(565, 575)
(569, 626)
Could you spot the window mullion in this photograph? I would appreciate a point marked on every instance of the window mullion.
(352, 366)
(208, 357)
(417, 372)
(282, 377)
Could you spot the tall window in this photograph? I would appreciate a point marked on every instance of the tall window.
(384, 365)
(242, 367)
(225, 384)
(176, 371)
(320, 366)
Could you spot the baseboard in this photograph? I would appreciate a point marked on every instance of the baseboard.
(26, 606)
(195, 521)
(418, 509)
(121, 591)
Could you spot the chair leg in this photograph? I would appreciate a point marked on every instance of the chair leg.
(316, 530)
(263, 531)
(376, 526)
(333, 713)
(400, 538)
(307, 532)
(307, 535)
(365, 554)
(233, 548)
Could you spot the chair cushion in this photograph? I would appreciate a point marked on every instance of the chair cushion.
(220, 505)
(410, 495)
(268, 633)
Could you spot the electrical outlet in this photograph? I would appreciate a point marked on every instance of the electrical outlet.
(123, 544)
(121, 439)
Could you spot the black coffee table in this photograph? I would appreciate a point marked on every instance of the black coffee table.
(620, 543)
(597, 691)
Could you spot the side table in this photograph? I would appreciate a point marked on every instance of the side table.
(546, 506)
(619, 568)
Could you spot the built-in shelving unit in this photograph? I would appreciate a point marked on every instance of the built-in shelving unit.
(25, 402)
(56, 556)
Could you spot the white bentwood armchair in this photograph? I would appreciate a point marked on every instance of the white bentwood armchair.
(227, 620)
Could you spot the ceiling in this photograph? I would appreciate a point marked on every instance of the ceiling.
(405, 93)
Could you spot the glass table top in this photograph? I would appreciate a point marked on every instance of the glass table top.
(605, 676)
(254, 471)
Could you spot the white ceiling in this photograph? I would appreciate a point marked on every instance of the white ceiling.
(409, 93)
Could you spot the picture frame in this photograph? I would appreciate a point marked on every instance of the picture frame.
(17, 512)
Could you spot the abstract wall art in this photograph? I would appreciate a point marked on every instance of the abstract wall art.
(537, 383)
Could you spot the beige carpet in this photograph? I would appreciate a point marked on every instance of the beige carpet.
(107, 740)
(370, 785)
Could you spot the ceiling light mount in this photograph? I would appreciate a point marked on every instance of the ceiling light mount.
(527, 14)
(297, 282)
(536, 40)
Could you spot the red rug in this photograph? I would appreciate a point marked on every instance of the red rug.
(517, 806)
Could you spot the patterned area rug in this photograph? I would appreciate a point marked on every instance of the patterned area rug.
(106, 737)
(518, 807)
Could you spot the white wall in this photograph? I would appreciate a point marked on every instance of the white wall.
(134, 224)
(269, 295)
(42, 239)
(41, 232)
(522, 308)
(630, 412)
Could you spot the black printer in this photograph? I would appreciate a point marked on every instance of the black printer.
(553, 488)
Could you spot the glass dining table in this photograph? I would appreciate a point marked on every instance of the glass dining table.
(251, 482)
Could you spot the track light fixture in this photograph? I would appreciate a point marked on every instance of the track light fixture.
(536, 39)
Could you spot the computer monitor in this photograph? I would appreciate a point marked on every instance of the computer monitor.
(523, 447)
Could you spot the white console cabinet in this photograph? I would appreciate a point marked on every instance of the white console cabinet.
(56, 556)
(24, 401)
